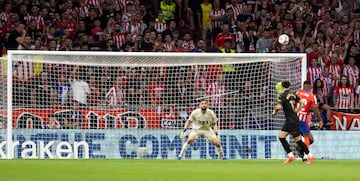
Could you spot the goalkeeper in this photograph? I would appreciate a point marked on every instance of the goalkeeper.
(203, 119)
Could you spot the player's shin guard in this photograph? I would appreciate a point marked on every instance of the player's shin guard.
(184, 148)
(285, 144)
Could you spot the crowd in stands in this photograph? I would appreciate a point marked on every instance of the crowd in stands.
(327, 30)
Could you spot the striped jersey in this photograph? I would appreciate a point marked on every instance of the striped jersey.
(309, 100)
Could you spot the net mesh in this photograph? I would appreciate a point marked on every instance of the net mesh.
(55, 93)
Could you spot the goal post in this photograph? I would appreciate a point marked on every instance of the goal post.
(77, 104)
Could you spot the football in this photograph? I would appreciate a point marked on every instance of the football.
(283, 39)
(142, 152)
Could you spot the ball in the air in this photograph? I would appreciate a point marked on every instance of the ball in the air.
(283, 39)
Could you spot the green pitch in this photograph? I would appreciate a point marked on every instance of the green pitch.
(172, 170)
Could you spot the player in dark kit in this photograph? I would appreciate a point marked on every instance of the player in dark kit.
(288, 102)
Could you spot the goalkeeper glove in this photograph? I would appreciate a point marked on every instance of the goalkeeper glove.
(182, 134)
(218, 137)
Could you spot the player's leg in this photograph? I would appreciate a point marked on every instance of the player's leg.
(192, 136)
(304, 148)
(209, 135)
(305, 131)
(282, 137)
(218, 146)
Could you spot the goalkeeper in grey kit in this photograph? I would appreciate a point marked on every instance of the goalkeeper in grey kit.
(203, 119)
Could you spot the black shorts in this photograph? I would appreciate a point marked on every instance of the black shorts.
(293, 129)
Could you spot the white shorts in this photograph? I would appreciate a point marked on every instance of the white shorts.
(209, 135)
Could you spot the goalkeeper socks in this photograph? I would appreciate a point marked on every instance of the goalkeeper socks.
(303, 146)
(184, 148)
(221, 152)
(285, 144)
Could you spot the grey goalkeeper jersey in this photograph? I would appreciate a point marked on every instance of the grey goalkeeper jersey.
(203, 121)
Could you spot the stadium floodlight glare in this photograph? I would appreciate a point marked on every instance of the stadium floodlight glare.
(133, 90)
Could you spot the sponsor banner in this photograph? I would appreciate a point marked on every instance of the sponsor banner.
(166, 144)
(89, 118)
(161, 144)
(345, 121)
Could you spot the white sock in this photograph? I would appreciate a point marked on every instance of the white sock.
(221, 152)
(309, 155)
(291, 154)
(183, 149)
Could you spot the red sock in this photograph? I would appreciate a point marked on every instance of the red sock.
(307, 141)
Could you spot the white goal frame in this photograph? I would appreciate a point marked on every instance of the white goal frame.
(184, 59)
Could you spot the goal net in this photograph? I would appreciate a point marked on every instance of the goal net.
(133, 105)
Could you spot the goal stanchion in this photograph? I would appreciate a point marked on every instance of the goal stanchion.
(109, 104)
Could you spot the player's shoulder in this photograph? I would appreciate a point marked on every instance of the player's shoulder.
(197, 110)
(210, 111)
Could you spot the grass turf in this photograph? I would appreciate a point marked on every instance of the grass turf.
(172, 170)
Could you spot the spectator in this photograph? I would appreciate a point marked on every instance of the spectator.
(16, 37)
(265, 44)
(74, 117)
(79, 88)
(116, 96)
(62, 90)
(357, 99)
(94, 95)
(133, 88)
(335, 68)
(160, 23)
(156, 88)
(168, 8)
(250, 40)
(52, 123)
(314, 70)
(225, 34)
(351, 71)
(41, 92)
(217, 14)
(344, 96)
(322, 95)
(146, 44)
(205, 22)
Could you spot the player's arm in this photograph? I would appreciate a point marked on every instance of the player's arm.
(186, 126)
(277, 107)
(216, 131)
(301, 105)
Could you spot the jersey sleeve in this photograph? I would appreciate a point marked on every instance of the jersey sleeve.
(213, 117)
(192, 116)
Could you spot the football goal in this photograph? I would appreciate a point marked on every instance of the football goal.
(113, 104)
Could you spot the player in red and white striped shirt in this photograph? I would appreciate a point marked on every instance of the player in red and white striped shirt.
(116, 94)
(118, 36)
(310, 102)
(351, 71)
(314, 71)
(344, 95)
(217, 14)
(236, 7)
(216, 90)
(327, 79)
(335, 67)
(35, 16)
